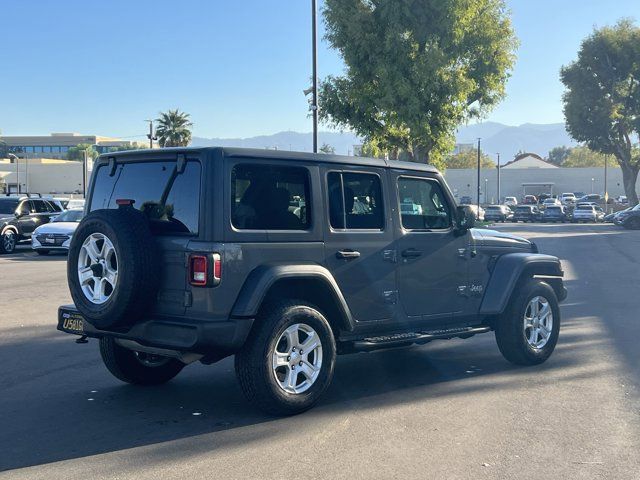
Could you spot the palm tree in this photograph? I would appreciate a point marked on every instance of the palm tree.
(174, 129)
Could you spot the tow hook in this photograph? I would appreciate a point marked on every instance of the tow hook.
(82, 339)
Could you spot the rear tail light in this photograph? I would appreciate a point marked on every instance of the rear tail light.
(205, 270)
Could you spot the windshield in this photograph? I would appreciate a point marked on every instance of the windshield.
(70, 216)
(8, 206)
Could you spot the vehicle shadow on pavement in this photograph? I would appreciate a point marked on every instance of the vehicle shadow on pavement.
(24, 253)
(62, 404)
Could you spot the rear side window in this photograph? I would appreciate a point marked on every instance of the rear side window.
(40, 206)
(355, 201)
(270, 197)
(423, 205)
(170, 200)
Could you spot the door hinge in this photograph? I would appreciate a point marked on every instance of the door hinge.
(390, 256)
(390, 296)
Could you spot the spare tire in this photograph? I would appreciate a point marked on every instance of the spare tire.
(113, 269)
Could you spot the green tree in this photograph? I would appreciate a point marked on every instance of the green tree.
(469, 159)
(582, 157)
(602, 97)
(558, 155)
(174, 129)
(415, 70)
(76, 153)
(326, 148)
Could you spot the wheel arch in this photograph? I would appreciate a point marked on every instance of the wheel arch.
(312, 283)
(9, 227)
(510, 269)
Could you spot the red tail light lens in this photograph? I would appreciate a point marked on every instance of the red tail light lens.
(205, 270)
(198, 267)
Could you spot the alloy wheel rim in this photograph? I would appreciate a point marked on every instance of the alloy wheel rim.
(297, 358)
(538, 322)
(98, 268)
(9, 241)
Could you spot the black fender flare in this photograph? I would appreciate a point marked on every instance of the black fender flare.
(262, 278)
(7, 227)
(508, 270)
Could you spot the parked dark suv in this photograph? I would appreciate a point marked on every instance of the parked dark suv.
(20, 216)
(286, 260)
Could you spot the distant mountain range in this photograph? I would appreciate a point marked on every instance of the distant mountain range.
(496, 138)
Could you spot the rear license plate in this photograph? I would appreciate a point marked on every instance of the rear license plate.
(71, 322)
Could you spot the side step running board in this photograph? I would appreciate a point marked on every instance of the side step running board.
(386, 341)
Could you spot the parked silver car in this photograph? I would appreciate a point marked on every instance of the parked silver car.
(56, 235)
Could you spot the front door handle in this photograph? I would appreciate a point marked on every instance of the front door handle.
(347, 254)
(411, 253)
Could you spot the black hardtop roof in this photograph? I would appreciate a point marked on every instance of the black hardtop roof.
(257, 153)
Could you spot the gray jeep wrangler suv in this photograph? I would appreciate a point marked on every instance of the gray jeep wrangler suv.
(286, 260)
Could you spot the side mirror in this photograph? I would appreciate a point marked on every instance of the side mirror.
(21, 214)
(466, 218)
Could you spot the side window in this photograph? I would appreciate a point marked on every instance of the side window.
(355, 201)
(423, 205)
(24, 208)
(39, 206)
(270, 197)
(53, 207)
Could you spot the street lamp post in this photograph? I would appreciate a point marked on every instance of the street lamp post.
(498, 168)
(314, 87)
(593, 180)
(486, 191)
(478, 199)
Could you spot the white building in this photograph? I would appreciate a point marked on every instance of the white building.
(42, 175)
(528, 160)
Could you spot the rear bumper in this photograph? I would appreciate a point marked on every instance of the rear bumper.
(185, 335)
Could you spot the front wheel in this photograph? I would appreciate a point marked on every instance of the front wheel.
(8, 242)
(288, 360)
(528, 330)
(138, 368)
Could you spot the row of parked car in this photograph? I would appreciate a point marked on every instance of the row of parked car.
(581, 213)
(47, 222)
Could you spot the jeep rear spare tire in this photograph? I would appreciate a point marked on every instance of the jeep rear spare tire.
(113, 270)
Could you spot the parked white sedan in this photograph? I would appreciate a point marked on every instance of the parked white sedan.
(56, 235)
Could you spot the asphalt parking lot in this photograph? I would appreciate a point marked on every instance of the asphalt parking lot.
(446, 410)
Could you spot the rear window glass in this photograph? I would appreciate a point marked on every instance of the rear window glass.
(270, 197)
(169, 199)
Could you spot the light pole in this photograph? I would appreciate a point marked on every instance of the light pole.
(606, 192)
(593, 180)
(314, 86)
(150, 134)
(478, 175)
(15, 159)
(84, 173)
(498, 169)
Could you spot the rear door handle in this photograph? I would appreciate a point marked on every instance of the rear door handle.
(347, 254)
(411, 253)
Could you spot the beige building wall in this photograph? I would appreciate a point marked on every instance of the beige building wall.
(43, 175)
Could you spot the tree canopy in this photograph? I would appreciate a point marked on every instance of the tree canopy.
(76, 153)
(558, 155)
(602, 97)
(415, 70)
(468, 159)
(582, 157)
(174, 129)
(326, 148)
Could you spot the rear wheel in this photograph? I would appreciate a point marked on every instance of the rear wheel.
(8, 241)
(138, 368)
(288, 360)
(528, 330)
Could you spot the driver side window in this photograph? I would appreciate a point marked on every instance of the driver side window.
(423, 205)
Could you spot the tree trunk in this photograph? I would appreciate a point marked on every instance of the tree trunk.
(629, 178)
(419, 153)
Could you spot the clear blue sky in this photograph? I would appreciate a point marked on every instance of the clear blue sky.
(239, 67)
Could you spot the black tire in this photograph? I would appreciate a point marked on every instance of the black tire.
(8, 241)
(126, 365)
(253, 363)
(509, 329)
(43, 252)
(138, 266)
